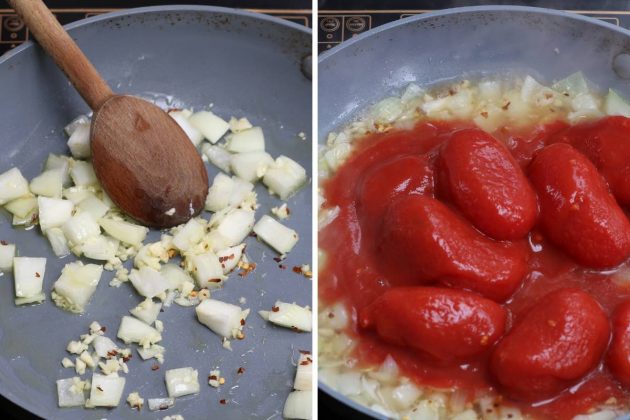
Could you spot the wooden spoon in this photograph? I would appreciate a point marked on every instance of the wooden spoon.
(143, 159)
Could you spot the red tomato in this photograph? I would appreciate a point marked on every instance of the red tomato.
(578, 214)
(554, 345)
(481, 177)
(406, 175)
(607, 144)
(447, 324)
(426, 241)
(618, 358)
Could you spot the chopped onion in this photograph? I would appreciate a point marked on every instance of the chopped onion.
(275, 234)
(61, 163)
(69, 394)
(240, 124)
(126, 232)
(337, 155)
(219, 193)
(387, 110)
(411, 92)
(28, 276)
(222, 318)
(404, 395)
(22, 207)
(189, 235)
(53, 212)
(615, 105)
(132, 330)
(235, 226)
(78, 194)
(175, 275)
(148, 282)
(106, 390)
(249, 140)
(573, 85)
(48, 183)
(156, 404)
(7, 253)
(94, 206)
(207, 270)
(74, 124)
(299, 405)
(104, 346)
(79, 141)
(155, 350)
(230, 257)
(181, 118)
(250, 166)
(12, 185)
(100, 247)
(79, 228)
(289, 315)
(304, 373)
(147, 311)
(218, 156)
(82, 174)
(211, 126)
(182, 381)
(284, 177)
(76, 285)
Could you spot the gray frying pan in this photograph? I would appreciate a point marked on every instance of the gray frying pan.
(469, 41)
(246, 65)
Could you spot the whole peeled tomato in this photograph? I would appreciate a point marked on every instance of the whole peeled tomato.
(404, 175)
(618, 358)
(447, 324)
(607, 144)
(423, 241)
(552, 347)
(578, 214)
(480, 176)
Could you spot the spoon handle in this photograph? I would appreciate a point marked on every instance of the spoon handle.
(66, 53)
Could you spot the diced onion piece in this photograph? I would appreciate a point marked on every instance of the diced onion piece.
(38, 298)
(76, 285)
(299, 405)
(585, 106)
(207, 270)
(148, 282)
(28, 221)
(78, 194)
(61, 163)
(250, 140)
(94, 206)
(224, 319)
(155, 350)
(250, 166)
(289, 315)
(79, 228)
(126, 232)
(239, 124)
(101, 248)
(404, 395)
(304, 373)
(82, 174)
(12, 185)
(284, 177)
(7, 253)
(175, 276)
(58, 242)
(48, 183)
(22, 207)
(219, 193)
(147, 311)
(132, 330)
(74, 124)
(616, 105)
(181, 119)
(69, 394)
(79, 141)
(28, 276)
(574, 84)
(236, 225)
(218, 156)
(104, 346)
(387, 110)
(156, 404)
(189, 235)
(182, 381)
(336, 156)
(53, 212)
(275, 234)
(106, 390)
(211, 126)
(469, 414)
(229, 257)
(412, 91)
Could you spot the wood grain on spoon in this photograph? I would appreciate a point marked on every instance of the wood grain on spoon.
(143, 159)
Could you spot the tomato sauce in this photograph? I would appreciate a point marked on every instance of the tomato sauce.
(357, 272)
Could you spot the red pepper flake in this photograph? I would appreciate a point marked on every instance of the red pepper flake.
(155, 367)
(304, 351)
(126, 358)
(214, 280)
(112, 353)
(212, 377)
(277, 259)
(163, 407)
(296, 329)
(297, 269)
(305, 362)
(103, 329)
(484, 114)
(331, 315)
(274, 309)
(282, 266)
(37, 274)
(240, 370)
(223, 401)
(99, 388)
(288, 210)
(4, 243)
(242, 322)
(506, 106)
(253, 235)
